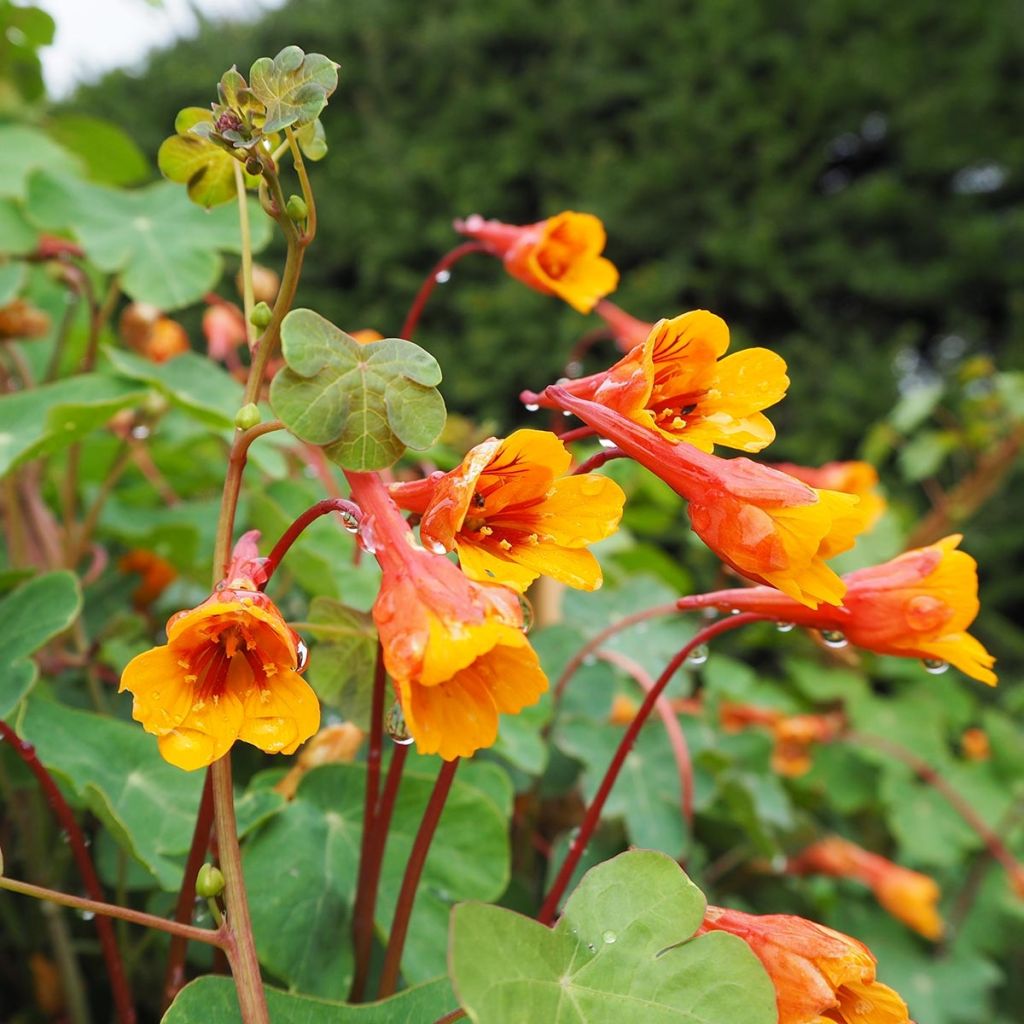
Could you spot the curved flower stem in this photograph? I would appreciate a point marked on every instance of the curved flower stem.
(346, 509)
(430, 282)
(104, 911)
(307, 191)
(449, 1018)
(370, 866)
(595, 642)
(593, 813)
(248, 299)
(576, 434)
(232, 488)
(674, 731)
(927, 774)
(411, 879)
(241, 950)
(63, 813)
(598, 459)
(174, 974)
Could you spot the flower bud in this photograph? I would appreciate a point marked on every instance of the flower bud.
(261, 315)
(265, 283)
(296, 208)
(209, 882)
(248, 416)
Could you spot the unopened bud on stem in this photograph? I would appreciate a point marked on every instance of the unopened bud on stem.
(248, 416)
(296, 208)
(261, 315)
(209, 882)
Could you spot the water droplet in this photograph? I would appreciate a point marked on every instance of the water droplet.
(710, 614)
(443, 276)
(734, 611)
(566, 413)
(366, 537)
(574, 368)
(936, 666)
(605, 443)
(140, 432)
(833, 638)
(86, 915)
(350, 522)
(301, 656)
(528, 613)
(591, 947)
(785, 627)
(532, 406)
(698, 656)
(609, 937)
(437, 547)
(395, 727)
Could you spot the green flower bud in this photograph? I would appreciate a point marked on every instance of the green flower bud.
(209, 882)
(248, 416)
(296, 208)
(261, 315)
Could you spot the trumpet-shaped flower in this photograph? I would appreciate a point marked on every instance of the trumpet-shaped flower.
(454, 648)
(908, 895)
(229, 671)
(512, 515)
(627, 330)
(766, 525)
(558, 256)
(820, 975)
(918, 605)
(155, 575)
(677, 385)
(860, 478)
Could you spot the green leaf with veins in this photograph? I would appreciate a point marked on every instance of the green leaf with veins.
(363, 403)
(293, 86)
(623, 950)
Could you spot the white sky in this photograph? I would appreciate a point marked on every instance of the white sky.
(96, 35)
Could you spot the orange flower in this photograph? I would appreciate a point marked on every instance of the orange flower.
(366, 335)
(766, 525)
(623, 710)
(157, 337)
(908, 895)
(20, 319)
(820, 975)
(156, 575)
(455, 649)
(794, 735)
(227, 672)
(975, 745)
(677, 385)
(918, 605)
(224, 327)
(512, 515)
(558, 256)
(334, 744)
(860, 478)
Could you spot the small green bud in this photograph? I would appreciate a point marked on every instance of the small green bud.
(261, 315)
(248, 416)
(296, 208)
(209, 882)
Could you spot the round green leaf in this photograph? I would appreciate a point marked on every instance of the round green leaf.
(294, 86)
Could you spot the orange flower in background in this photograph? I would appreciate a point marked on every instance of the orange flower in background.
(224, 327)
(677, 385)
(795, 735)
(975, 745)
(334, 744)
(146, 331)
(628, 330)
(366, 335)
(918, 605)
(558, 256)
(20, 319)
(766, 525)
(156, 575)
(908, 895)
(820, 975)
(227, 672)
(455, 649)
(512, 515)
(860, 478)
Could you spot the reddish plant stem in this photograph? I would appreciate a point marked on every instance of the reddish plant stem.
(593, 813)
(448, 1018)
(576, 434)
(123, 1003)
(369, 882)
(585, 343)
(927, 774)
(430, 282)
(322, 508)
(674, 731)
(597, 460)
(174, 975)
(598, 640)
(411, 879)
(366, 884)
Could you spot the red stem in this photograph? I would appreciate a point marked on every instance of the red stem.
(598, 459)
(111, 954)
(174, 975)
(314, 512)
(576, 434)
(593, 813)
(446, 262)
(448, 1018)
(366, 884)
(674, 731)
(411, 880)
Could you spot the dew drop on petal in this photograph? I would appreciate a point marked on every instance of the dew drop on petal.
(833, 638)
(532, 406)
(301, 656)
(698, 656)
(936, 666)
(784, 627)
(395, 727)
(528, 614)
(436, 547)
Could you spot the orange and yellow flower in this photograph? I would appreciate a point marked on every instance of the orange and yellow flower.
(795, 736)
(766, 525)
(860, 478)
(558, 256)
(975, 744)
(918, 605)
(146, 331)
(155, 575)
(820, 975)
(512, 515)
(454, 648)
(908, 895)
(678, 385)
(227, 672)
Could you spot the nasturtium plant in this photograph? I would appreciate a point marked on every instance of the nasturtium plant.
(293, 87)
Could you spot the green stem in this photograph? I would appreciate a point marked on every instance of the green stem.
(248, 300)
(72, 982)
(307, 191)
